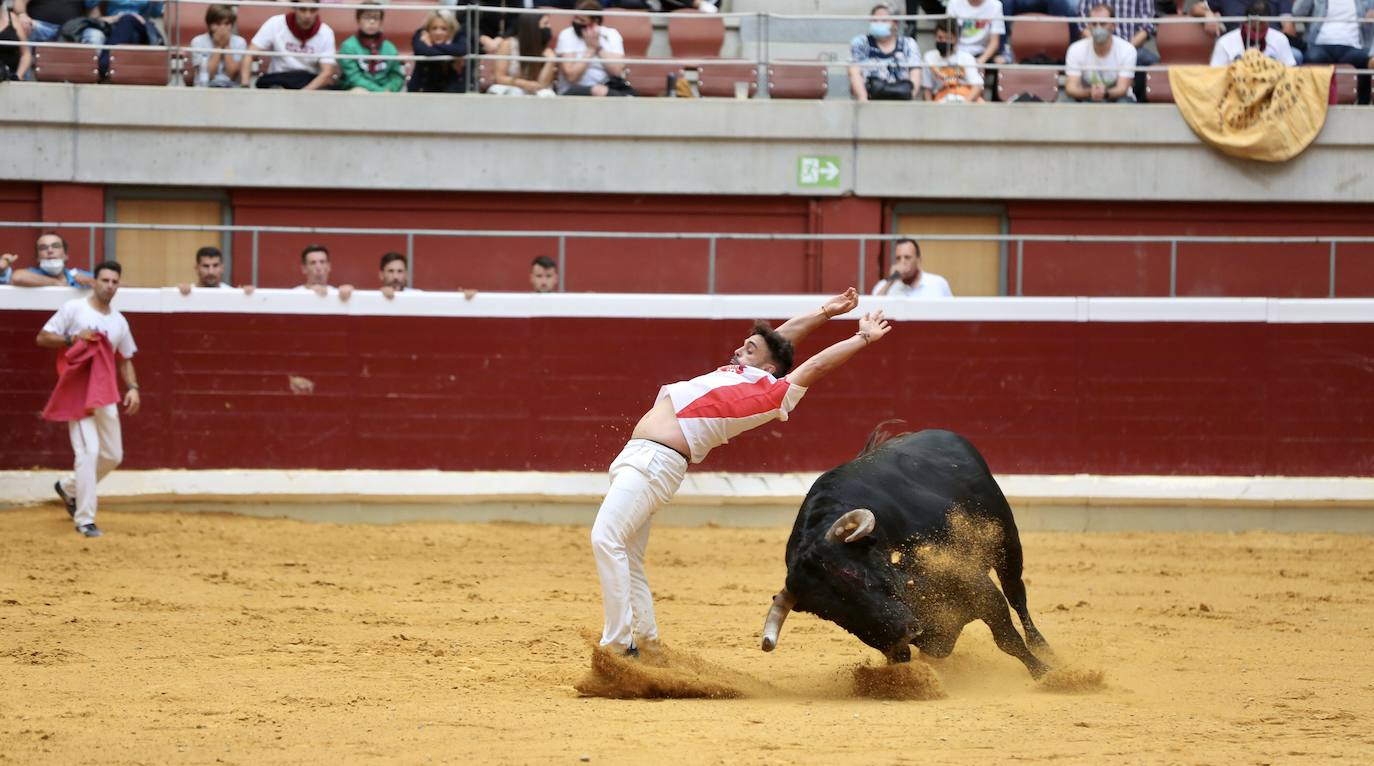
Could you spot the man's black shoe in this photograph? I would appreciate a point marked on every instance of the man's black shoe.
(632, 652)
(69, 501)
(90, 530)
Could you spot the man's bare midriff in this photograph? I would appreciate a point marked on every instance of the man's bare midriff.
(660, 424)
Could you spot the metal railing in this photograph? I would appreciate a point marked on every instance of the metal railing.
(1014, 242)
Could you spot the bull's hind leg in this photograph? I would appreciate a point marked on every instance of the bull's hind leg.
(1008, 567)
(992, 609)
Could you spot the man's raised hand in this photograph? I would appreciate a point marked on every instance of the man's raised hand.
(841, 304)
(873, 326)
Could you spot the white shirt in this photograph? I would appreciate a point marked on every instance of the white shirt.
(77, 315)
(948, 69)
(1229, 47)
(719, 405)
(1082, 60)
(977, 23)
(274, 35)
(329, 289)
(1340, 27)
(201, 45)
(928, 286)
(572, 46)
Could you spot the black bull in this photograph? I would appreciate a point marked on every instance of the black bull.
(895, 547)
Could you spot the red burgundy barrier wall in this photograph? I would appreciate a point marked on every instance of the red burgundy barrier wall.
(562, 394)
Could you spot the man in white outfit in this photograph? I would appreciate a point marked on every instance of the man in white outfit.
(907, 279)
(688, 419)
(95, 438)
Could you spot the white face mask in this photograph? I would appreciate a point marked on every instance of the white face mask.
(51, 266)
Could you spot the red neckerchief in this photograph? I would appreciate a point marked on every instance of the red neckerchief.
(303, 35)
(373, 43)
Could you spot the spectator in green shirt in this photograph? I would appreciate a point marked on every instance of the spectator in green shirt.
(379, 75)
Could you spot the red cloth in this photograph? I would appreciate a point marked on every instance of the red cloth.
(87, 383)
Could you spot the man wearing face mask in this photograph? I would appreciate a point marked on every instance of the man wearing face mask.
(1254, 33)
(950, 75)
(51, 253)
(591, 56)
(1099, 67)
(883, 64)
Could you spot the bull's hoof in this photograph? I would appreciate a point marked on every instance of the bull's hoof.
(898, 654)
(1038, 670)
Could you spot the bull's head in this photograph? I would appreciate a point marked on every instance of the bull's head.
(846, 579)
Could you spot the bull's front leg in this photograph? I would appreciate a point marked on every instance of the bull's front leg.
(994, 612)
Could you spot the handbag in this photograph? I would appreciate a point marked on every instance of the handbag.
(619, 86)
(897, 90)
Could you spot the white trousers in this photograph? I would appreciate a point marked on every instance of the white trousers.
(99, 448)
(643, 477)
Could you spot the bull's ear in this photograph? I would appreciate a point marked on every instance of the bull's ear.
(853, 526)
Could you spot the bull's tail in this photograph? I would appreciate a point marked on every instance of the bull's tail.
(881, 435)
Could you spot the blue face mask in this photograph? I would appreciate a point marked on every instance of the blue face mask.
(880, 29)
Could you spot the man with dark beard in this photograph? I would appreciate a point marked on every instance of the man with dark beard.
(907, 280)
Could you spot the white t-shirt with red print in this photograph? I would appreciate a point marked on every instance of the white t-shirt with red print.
(722, 404)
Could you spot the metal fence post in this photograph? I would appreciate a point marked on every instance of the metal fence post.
(1331, 275)
(90, 239)
(1173, 268)
(1020, 264)
(765, 55)
(863, 284)
(255, 257)
(562, 263)
(410, 260)
(711, 266)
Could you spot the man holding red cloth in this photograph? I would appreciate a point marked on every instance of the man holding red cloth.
(89, 331)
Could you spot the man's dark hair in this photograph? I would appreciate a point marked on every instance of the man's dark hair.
(60, 238)
(107, 266)
(779, 348)
(314, 249)
(218, 14)
(590, 7)
(208, 252)
(906, 240)
(1111, 12)
(358, 16)
(392, 256)
(544, 261)
(1258, 8)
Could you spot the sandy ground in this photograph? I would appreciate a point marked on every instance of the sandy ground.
(191, 638)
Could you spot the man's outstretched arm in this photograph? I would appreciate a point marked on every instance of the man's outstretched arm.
(872, 328)
(797, 328)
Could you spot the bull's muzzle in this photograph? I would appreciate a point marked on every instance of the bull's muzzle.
(782, 605)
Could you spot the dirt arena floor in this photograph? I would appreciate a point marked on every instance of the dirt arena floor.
(192, 638)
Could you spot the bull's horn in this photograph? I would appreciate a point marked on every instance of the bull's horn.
(855, 525)
(782, 604)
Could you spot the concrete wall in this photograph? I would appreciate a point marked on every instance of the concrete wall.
(176, 136)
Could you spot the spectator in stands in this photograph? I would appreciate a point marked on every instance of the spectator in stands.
(375, 75)
(590, 56)
(543, 275)
(42, 20)
(981, 28)
(129, 22)
(309, 42)
(394, 274)
(215, 68)
(7, 261)
(1341, 39)
(1216, 9)
(1254, 33)
(316, 268)
(50, 251)
(907, 280)
(15, 60)
(439, 37)
(519, 78)
(1137, 33)
(210, 272)
(1098, 67)
(950, 75)
(883, 65)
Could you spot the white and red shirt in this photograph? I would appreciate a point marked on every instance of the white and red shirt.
(275, 35)
(714, 407)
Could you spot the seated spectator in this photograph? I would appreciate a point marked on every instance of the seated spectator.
(590, 56)
(1342, 38)
(50, 251)
(907, 280)
(1137, 33)
(1254, 33)
(439, 37)
(214, 68)
(1216, 9)
(1098, 67)
(519, 78)
(980, 29)
(316, 268)
(129, 22)
(42, 21)
(375, 75)
(15, 60)
(310, 42)
(950, 75)
(394, 275)
(7, 261)
(543, 275)
(884, 66)
(210, 273)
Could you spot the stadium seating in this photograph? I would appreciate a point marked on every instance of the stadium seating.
(1157, 88)
(1039, 36)
(140, 67)
(637, 31)
(1041, 83)
(649, 77)
(74, 65)
(1184, 44)
(1344, 84)
(694, 35)
(802, 80)
(718, 79)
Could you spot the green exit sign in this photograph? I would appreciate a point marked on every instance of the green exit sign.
(818, 172)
